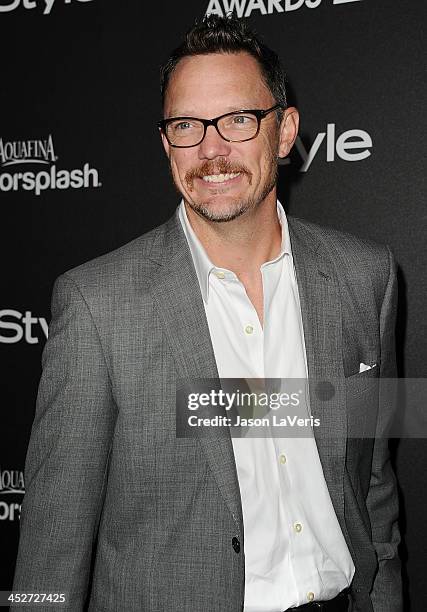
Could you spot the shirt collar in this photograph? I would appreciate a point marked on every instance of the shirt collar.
(203, 264)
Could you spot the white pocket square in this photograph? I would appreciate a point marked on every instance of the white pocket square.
(363, 367)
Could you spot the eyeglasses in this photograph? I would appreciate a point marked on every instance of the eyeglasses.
(238, 126)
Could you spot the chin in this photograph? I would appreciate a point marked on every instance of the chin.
(219, 213)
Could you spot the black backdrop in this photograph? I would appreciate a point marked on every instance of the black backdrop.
(82, 77)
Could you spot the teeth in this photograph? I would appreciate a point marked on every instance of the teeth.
(220, 178)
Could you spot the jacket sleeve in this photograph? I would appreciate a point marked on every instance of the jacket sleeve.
(382, 501)
(67, 458)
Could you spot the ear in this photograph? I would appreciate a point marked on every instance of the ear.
(288, 130)
(165, 143)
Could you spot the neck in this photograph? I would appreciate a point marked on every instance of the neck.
(243, 244)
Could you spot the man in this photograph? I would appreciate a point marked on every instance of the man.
(120, 513)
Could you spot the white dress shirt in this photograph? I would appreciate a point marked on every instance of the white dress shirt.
(295, 551)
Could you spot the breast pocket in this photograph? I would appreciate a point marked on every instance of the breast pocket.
(362, 403)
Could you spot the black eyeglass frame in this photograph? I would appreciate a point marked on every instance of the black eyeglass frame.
(259, 114)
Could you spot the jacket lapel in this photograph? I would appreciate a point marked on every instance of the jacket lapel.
(176, 293)
(322, 322)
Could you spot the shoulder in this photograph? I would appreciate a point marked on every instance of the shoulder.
(119, 269)
(136, 251)
(351, 255)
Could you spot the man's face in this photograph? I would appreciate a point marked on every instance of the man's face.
(206, 86)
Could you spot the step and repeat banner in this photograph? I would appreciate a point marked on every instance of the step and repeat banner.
(82, 171)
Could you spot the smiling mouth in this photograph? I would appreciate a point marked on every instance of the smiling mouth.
(220, 178)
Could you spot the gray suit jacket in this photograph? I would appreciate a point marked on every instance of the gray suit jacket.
(118, 513)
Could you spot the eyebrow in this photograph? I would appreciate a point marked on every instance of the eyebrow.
(227, 109)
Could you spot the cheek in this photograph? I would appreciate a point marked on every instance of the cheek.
(264, 151)
(271, 144)
(180, 164)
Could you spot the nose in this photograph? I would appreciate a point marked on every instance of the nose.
(213, 145)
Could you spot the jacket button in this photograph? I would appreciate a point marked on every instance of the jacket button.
(236, 544)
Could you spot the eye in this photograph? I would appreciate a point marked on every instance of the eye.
(242, 119)
(182, 126)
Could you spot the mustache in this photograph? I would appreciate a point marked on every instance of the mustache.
(219, 166)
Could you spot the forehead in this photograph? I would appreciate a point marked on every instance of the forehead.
(215, 83)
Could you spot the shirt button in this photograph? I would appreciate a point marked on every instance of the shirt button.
(310, 596)
(282, 458)
(298, 527)
(219, 274)
(249, 329)
(236, 544)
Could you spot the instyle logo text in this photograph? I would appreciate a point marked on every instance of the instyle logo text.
(6, 6)
(16, 326)
(351, 146)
